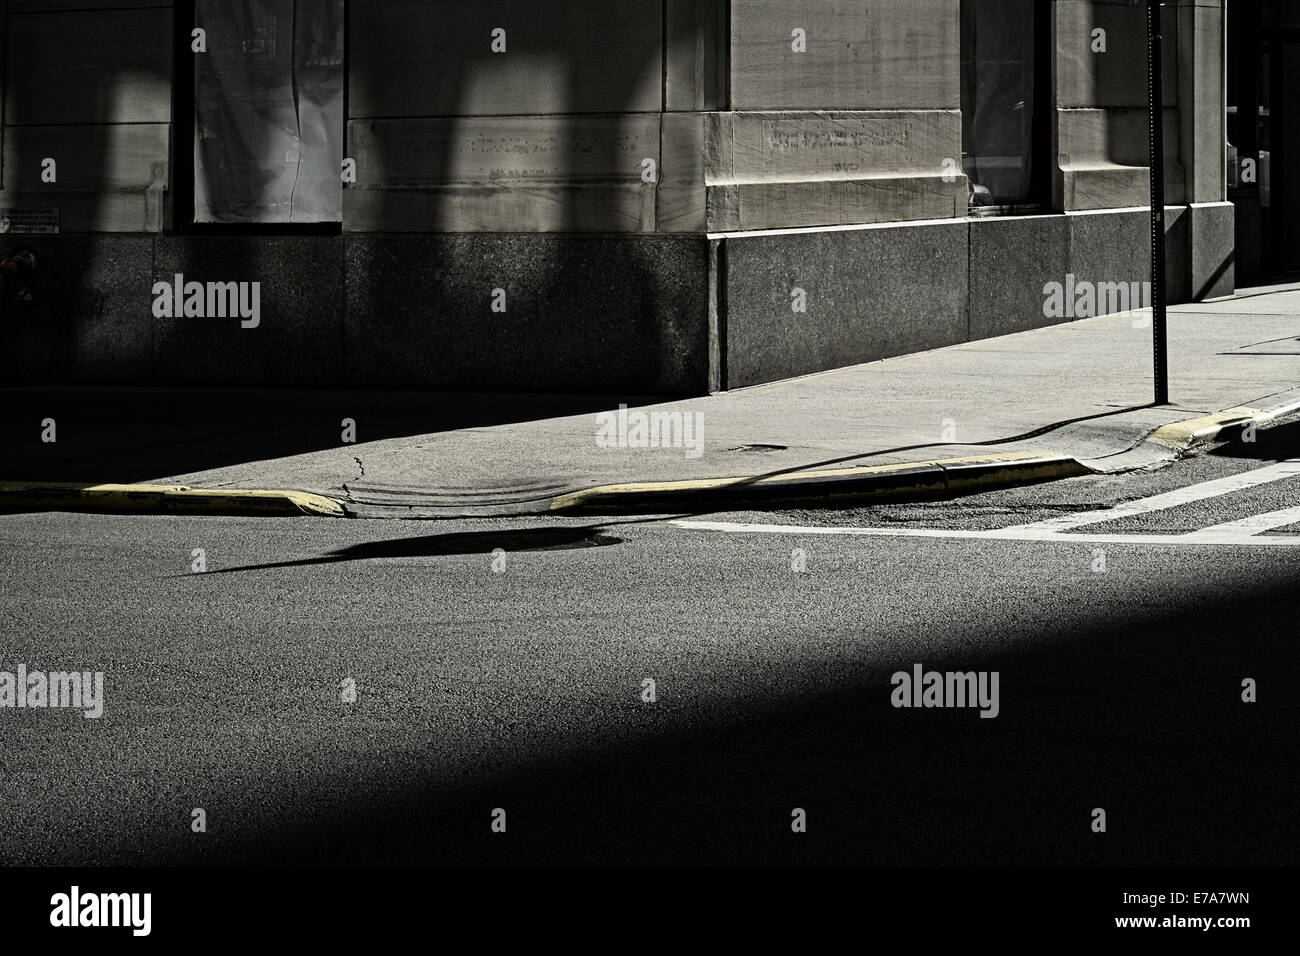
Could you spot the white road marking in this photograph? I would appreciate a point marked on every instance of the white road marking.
(996, 534)
(1246, 532)
(1252, 525)
(1174, 499)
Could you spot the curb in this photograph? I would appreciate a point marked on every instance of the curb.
(1186, 435)
(163, 499)
(928, 479)
(924, 479)
(938, 478)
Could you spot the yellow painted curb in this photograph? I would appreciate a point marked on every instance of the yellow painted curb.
(1185, 435)
(1003, 467)
(1181, 436)
(163, 499)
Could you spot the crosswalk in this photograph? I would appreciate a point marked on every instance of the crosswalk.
(1244, 532)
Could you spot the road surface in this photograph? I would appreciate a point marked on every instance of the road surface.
(501, 666)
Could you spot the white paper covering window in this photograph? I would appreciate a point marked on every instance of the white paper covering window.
(268, 138)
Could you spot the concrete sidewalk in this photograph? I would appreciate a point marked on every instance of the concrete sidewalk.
(1080, 390)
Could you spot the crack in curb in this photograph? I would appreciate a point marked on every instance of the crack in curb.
(348, 491)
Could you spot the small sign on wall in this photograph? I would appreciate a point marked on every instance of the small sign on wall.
(29, 222)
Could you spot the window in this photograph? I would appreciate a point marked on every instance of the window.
(268, 102)
(1005, 100)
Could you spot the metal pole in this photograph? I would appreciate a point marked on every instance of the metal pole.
(1155, 120)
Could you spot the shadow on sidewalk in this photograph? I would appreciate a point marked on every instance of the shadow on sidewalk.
(132, 435)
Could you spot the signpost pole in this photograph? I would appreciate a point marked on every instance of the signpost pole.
(1155, 92)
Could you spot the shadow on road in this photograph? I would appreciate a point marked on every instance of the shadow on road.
(1278, 443)
(1134, 708)
(431, 545)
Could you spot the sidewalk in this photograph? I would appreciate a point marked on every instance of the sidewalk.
(1080, 390)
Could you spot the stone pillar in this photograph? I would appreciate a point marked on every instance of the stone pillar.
(1100, 70)
(1201, 97)
(1202, 134)
(840, 113)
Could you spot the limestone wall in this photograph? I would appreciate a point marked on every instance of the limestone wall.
(87, 84)
(1102, 104)
(632, 117)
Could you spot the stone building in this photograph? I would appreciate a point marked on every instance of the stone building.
(620, 196)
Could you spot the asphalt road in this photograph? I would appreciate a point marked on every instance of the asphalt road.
(520, 686)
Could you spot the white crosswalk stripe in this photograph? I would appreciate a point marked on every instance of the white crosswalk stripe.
(1175, 499)
(1247, 532)
(1256, 524)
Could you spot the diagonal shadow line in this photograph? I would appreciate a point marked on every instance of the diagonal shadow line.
(1253, 345)
(1215, 276)
(993, 442)
(1255, 295)
(454, 543)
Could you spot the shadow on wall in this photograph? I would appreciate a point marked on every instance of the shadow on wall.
(588, 312)
(87, 101)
